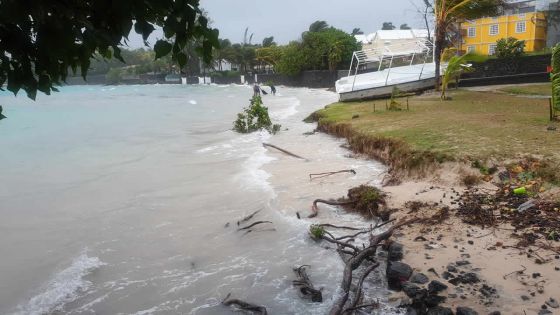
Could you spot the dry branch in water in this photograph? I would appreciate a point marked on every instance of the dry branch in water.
(257, 309)
(354, 262)
(315, 209)
(284, 151)
(320, 175)
(256, 223)
(305, 286)
(249, 217)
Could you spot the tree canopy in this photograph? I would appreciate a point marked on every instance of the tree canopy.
(318, 26)
(40, 41)
(388, 26)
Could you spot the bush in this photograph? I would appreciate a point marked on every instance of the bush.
(509, 48)
(555, 77)
(255, 118)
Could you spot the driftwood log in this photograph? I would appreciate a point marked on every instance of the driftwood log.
(305, 286)
(256, 309)
(283, 151)
(320, 175)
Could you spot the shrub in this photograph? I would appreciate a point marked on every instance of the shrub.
(255, 118)
(509, 48)
(555, 77)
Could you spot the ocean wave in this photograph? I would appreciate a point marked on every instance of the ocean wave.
(64, 287)
(287, 111)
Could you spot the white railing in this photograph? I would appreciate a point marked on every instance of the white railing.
(372, 55)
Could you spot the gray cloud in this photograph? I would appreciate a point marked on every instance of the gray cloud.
(287, 19)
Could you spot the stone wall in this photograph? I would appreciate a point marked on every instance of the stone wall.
(526, 69)
(311, 79)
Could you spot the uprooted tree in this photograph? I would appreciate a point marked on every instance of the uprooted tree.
(255, 118)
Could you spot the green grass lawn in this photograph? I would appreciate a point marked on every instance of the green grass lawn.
(476, 125)
(543, 89)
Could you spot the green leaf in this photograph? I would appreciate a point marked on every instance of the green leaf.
(181, 59)
(162, 48)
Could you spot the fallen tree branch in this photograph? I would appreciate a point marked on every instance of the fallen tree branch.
(256, 223)
(305, 286)
(315, 209)
(284, 151)
(354, 262)
(341, 227)
(321, 175)
(249, 217)
(244, 305)
(358, 294)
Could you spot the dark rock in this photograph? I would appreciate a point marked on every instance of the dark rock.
(451, 268)
(452, 295)
(544, 312)
(552, 303)
(465, 311)
(470, 242)
(396, 251)
(447, 275)
(525, 298)
(411, 290)
(436, 287)
(536, 275)
(420, 239)
(411, 311)
(495, 313)
(434, 300)
(438, 310)
(462, 262)
(397, 273)
(419, 278)
(487, 290)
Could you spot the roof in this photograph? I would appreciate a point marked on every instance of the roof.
(392, 35)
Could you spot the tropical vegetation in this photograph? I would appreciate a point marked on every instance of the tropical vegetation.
(509, 48)
(555, 78)
(255, 118)
(42, 41)
(448, 13)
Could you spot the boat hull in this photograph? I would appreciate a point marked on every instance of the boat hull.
(387, 90)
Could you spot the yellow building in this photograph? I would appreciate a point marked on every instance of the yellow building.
(481, 35)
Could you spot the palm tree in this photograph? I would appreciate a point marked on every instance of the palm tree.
(357, 31)
(318, 26)
(449, 12)
(455, 67)
(268, 41)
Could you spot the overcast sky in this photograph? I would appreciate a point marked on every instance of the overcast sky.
(287, 19)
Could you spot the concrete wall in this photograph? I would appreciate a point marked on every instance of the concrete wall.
(310, 79)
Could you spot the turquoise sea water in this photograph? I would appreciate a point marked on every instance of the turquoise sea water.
(115, 200)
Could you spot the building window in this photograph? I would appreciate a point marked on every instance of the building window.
(521, 16)
(471, 32)
(520, 27)
(491, 49)
(494, 29)
(470, 49)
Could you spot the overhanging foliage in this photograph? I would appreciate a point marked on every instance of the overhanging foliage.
(41, 40)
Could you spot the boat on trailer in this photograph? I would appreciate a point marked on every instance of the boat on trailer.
(374, 73)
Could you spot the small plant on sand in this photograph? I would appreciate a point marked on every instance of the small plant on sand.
(316, 231)
(255, 118)
(394, 105)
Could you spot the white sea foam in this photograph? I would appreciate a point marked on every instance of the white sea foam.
(193, 102)
(286, 112)
(64, 287)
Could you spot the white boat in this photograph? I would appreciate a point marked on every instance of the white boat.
(374, 73)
